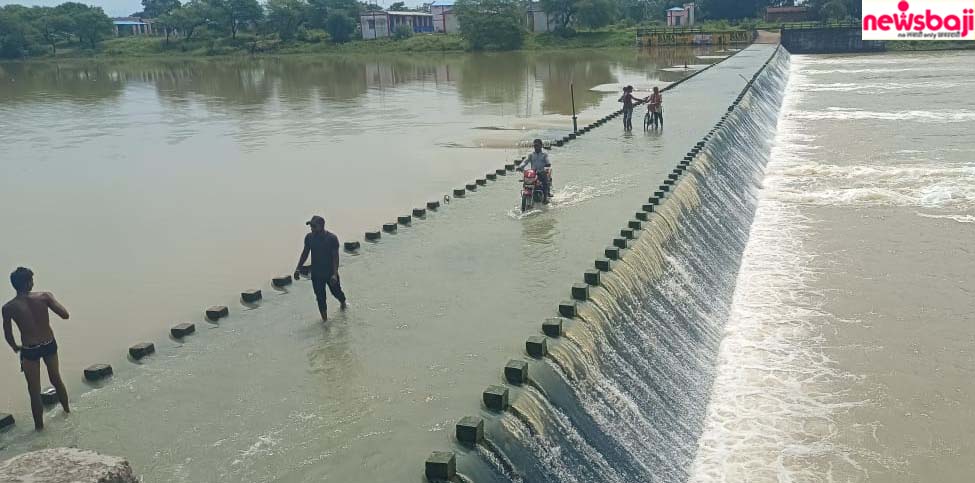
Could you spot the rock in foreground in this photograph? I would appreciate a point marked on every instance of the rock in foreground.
(64, 465)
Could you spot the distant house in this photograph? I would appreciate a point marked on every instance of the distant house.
(681, 16)
(377, 24)
(125, 26)
(787, 14)
(444, 18)
(537, 20)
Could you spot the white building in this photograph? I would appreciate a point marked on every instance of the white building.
(681, 17)
(538, 20)
(444, 18)
(377, 24)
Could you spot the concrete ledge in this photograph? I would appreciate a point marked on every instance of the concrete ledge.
(142, 350)
(281, 281)
(182, 330)
(516, 372)
(98, 372)
(496, 398)
(591, 277)
(536, 346)
(66, 465)
(470, 430)
(441, 466)
(553, 327)
(218, 312)
(251, 296)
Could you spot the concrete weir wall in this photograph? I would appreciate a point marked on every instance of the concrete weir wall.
(441, 466)
(828, 40)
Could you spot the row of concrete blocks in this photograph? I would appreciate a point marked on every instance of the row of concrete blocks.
(589, 127)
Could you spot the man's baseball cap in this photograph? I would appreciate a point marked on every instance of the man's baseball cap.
(316, 220)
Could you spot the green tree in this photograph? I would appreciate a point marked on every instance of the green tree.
(733, 9)
(17, 37)
(286, 16)
(89, 24)
(158, 8)
(186, 19)
(833, 10)
(491, 24)
(563, 11)
(595, 13)
(51, 25)
(398, 7)
(340, 27)
(232, 15)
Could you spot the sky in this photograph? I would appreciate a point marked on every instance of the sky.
(121, 8)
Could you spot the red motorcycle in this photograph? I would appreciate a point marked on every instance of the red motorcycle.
(532, 190)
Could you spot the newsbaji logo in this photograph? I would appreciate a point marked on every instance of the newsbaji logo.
(918, 20)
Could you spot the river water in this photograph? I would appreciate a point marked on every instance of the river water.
(142, 192)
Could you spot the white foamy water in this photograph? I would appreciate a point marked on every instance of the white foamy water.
(852, 114)
(775, 393)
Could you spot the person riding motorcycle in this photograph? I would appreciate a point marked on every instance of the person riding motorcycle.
(539, 161)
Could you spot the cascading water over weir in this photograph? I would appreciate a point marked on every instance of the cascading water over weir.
(622, 394)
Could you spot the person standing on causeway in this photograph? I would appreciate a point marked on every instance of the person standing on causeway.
(324, 248)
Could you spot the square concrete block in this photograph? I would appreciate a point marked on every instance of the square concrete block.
(459, 193)
(98, 372)
(501, 172)
(635, 224)
(553, 327)
(612, 253)
(441, 466)
(481, 181)
(141, 350)
(642, 215)
(471, 187)
(536, 346)
(603, 264)
(351, 246)
(496, 398)
(389, 227)
(492, 176)
(580, 291)
(432, 205)
(591, 277)
(373, 235)
(404, 220)
(281, 281)
(182, 330)
(619, 242)
(516, 372)
(567, 309)
(628, 233)
(251, 296)
(6, 421)
(470, 430)
(658, 194)
(217, 312)
(49, 396)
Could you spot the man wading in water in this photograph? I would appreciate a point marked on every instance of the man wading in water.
(324, 248)
(29, 310)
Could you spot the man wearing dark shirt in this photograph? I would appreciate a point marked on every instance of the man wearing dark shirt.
(324, 248)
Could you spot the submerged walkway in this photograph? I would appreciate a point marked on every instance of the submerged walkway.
(271, 394)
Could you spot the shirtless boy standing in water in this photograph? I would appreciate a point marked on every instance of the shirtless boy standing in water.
(29, 310)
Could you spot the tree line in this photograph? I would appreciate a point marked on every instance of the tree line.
(485, 24)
